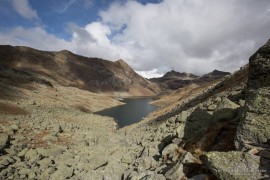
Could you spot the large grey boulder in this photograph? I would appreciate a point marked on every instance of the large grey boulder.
(226, 110)
(254, 126)
(236, 165)
(197, 123)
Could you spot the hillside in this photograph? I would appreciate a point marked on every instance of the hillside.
(68, 69)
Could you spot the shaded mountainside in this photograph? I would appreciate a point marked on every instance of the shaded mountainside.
(174, 80)
(68, 69)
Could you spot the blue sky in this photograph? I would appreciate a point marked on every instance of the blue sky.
(153, 36)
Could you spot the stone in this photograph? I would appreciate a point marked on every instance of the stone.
(235, 165)
(225, 103)
(53, 152)
(225, 114)
(14, 127)
(31, 153)
(197, 123)
(177, 141)
(49, 137)
(212, 107)
(171, 153)
(62, 172)
(23, 152)
(45, 174)
(4, 140)
(114, 170)
(180, 130)
(253, 151)
(5, 161)
(146, 175)
(32, 175)
(182, 117)
(44, 163)
(126, 159)
(57, 129)
(145, 163)
(176, 172)
(253, 129)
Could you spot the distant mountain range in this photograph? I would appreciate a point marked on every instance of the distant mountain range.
(95, 74)
(174, 80)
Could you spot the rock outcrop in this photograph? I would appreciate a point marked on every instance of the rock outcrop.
(254, 127)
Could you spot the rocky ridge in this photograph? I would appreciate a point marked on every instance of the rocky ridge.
(173, 80)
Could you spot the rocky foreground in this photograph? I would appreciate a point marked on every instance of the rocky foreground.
(218, 132)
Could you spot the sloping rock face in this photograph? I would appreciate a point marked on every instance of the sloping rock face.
(236, 165)
(254, 127)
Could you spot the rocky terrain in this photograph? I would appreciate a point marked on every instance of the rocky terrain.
(68, 69)
(173, 80)
(218, 130)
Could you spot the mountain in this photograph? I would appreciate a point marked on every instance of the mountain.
(68, 69)
(178, 75)
(174, 80)
(216, 74)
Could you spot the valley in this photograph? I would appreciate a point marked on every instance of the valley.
(50, 127)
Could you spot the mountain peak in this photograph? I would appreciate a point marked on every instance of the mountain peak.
(218, 73)
(122, 63)
(176, 74)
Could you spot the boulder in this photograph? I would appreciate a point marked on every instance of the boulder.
(177, 171)
(62, 172)
(197, 123)
(145, 163)
(4, 140)
(171, 153)
(53, 152)
(253, 129)
(225, 114)
(146, 175)
(225, 103)
(31, 154)
(236, 165)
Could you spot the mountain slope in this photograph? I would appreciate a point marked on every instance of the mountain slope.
(93, 74)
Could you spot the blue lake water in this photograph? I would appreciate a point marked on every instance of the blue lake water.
(131, 112)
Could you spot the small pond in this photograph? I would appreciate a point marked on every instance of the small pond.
(131, 112)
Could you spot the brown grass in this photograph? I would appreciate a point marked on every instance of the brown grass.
(6, 108)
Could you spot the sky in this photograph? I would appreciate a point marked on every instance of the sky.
(152, 36)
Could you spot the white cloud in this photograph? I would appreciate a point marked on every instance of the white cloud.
(23, 8)
(64, 7)
(190, 36)
(34, 37)
(150, 74)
